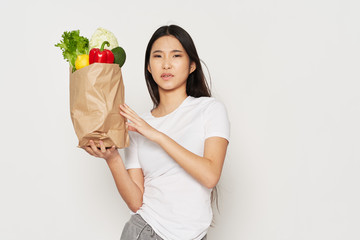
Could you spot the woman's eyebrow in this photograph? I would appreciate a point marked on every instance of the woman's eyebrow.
(160, 51)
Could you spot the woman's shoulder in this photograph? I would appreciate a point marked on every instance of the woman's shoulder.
(202, 100)
(206, 102)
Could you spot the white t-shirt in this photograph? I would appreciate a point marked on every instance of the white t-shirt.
(176, 205)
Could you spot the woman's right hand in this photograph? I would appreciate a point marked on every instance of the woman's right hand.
(107, 154)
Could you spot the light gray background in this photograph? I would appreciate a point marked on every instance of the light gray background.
(288, 72)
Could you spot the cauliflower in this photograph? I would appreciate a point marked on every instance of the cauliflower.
(101, 35)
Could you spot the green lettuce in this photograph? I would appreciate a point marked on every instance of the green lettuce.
(72, 45)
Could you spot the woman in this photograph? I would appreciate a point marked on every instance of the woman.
(176, 151)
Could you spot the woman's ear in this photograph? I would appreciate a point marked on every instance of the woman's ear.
(148, 68)
(192, 67)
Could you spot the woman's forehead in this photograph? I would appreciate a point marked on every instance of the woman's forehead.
(167, 44)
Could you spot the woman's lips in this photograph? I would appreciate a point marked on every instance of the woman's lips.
(166, 76)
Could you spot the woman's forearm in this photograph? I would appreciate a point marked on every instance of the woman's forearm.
(128, 189)
(205, 170)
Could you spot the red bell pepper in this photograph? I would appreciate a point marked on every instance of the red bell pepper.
(101, 55)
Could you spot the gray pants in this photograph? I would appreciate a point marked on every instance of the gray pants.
(137, 229)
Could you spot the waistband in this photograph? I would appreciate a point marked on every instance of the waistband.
(138, 220)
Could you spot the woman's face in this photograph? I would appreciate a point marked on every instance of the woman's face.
(169, 64)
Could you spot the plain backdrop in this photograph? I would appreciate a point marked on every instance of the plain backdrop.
(287, 71)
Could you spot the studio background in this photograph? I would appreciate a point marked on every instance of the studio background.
(288, 72)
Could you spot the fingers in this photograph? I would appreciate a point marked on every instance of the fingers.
(102, 152)
(95, 150)
(126, 115)
(136, 123)
(105, 150)
(127, 112)
(89, 150)
(130, 110)
(112, 149)
(102, 147)
(131, 127)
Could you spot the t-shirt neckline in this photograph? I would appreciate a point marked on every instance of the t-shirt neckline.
(175, 110)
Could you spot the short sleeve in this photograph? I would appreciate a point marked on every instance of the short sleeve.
(216, 121)
(131, 153)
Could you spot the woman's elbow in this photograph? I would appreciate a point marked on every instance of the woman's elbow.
(134, 207)
(212, 181)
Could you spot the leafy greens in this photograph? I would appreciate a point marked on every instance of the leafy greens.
(73, 45)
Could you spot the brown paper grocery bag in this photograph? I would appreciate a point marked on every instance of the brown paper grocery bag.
(96, 91)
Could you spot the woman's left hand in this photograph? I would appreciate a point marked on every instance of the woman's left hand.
(137, 124)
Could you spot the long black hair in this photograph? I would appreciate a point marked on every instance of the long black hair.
(196, 84)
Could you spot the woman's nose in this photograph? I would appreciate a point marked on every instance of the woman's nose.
(166, 64)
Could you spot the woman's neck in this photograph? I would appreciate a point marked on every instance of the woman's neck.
(168, 103)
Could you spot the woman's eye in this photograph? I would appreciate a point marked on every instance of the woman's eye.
(156, 56)
(177, 55)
